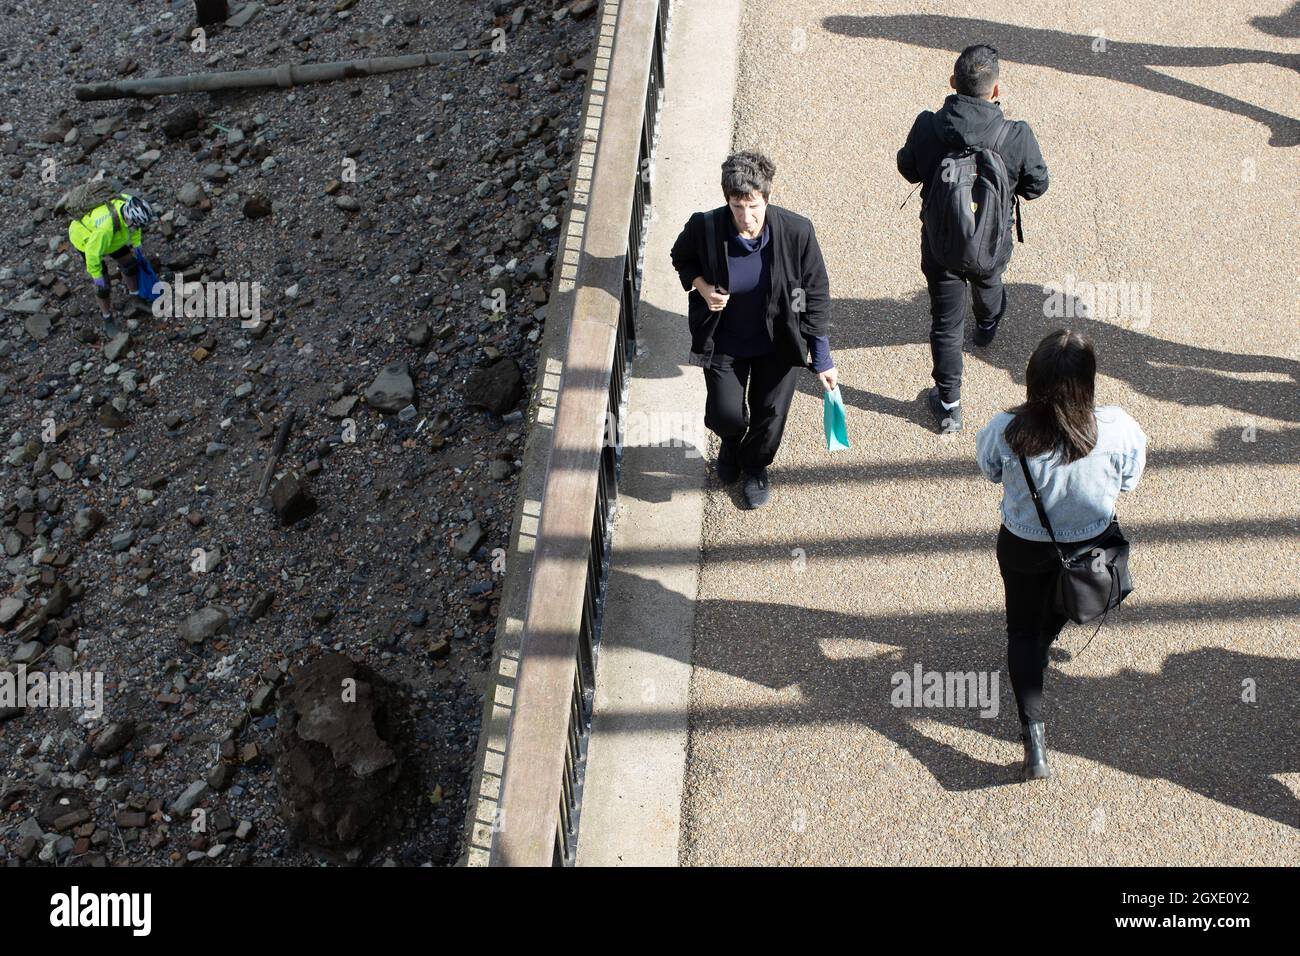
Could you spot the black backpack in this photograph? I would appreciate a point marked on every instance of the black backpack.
(969, 207)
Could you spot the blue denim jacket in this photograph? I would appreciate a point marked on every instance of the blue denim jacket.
(1079, 497)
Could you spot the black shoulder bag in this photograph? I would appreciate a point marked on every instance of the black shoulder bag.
(1093, 579)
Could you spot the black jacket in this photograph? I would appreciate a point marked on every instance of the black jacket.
(797, 265)
(971, 121)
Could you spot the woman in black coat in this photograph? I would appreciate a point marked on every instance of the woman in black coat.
(759, 310)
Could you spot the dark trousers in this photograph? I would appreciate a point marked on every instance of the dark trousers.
(125, 259)
(1029, 570)
(766, 384)
(948, 316)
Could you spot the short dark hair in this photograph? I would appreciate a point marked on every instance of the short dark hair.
(976, 71)
(747, 172)
(1059, 386)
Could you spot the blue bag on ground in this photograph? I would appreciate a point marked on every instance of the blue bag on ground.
(146, 279)
(833, 419)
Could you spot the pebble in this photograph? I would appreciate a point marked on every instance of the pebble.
(190, 195)
(189, 798)
(203, 624)
(468, 541)
(392, 389)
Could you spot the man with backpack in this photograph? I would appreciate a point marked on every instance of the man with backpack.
(105, 222)
(973, 166)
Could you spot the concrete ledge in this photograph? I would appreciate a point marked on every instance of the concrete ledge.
(481, 817)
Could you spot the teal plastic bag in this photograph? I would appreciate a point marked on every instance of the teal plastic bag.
(833, 420)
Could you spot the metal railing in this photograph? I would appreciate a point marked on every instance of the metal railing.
(542, 775)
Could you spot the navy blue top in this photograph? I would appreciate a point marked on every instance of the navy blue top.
(743, 330)
(819, 348)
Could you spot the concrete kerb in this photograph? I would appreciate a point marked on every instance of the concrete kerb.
(636, 760)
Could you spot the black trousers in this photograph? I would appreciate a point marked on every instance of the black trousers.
(948, 316)
(1029, 570)
(766, 385)
(125, 259)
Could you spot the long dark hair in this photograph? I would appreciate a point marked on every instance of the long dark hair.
(1058, 412)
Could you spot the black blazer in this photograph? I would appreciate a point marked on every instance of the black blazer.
(798, 302)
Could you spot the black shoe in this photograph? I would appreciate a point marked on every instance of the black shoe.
(948, 419)
(111, 331)
(756, 490)
(728, 463)
(1035, 767)
(984, 335)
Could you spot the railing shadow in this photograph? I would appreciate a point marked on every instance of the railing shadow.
(1169, 371)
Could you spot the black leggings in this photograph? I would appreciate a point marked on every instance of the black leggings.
(1029, 570)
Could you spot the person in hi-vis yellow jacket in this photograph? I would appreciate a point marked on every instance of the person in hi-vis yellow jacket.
(111, 229)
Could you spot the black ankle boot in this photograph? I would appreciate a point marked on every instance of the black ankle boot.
(1035, 767)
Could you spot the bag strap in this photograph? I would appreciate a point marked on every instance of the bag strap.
(1113, 591)
(1038, 504)
(998, 140)
(1002, 135)
(117, 218)
(711, 242)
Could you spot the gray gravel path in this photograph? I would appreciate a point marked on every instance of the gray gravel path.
(1169, 169)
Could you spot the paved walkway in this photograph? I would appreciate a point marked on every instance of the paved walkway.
(1174, 166)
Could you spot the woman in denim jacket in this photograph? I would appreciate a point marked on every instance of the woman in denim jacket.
(1081, 458)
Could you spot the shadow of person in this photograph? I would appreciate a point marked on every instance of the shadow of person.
(1186, 723)
(1285, 24)
(663, 464)
(1123, 62)
(783, 647)
(1190, 723)
(1259, 386)
(1265, 387)
(877, 323)
(1262, 386)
